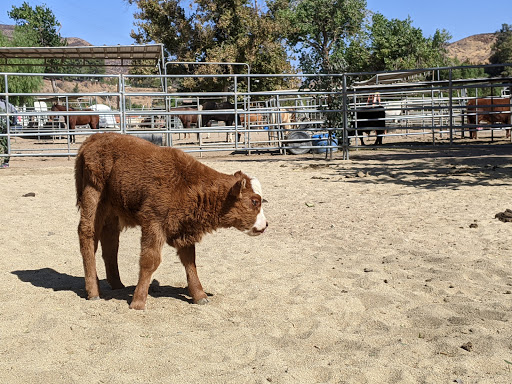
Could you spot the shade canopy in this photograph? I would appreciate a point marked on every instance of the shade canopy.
(150, 55)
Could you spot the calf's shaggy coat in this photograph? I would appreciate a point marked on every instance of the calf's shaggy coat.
(124, 181)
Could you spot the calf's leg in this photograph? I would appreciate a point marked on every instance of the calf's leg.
(88, 238)
(188, 259)
(152, 242)
(109, 239)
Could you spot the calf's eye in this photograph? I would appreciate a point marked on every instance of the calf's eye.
(255, 202)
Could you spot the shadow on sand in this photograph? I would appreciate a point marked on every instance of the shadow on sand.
(49, 278)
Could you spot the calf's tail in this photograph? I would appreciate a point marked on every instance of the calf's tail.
(79, 178)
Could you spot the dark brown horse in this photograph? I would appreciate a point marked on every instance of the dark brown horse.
(228, 117)
(91, 120)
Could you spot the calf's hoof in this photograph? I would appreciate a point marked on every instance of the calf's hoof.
(202, 301)
(92, 298)
(138, 305)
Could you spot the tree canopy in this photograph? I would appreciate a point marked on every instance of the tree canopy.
(214, 31)
(396, 44)
(318, 31)
(329, 36)
(40, 23)
(502, 50)
(334, 36)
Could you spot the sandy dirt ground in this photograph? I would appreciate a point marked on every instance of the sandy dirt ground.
(387, 268)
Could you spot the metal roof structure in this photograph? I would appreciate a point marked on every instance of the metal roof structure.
(150, 55)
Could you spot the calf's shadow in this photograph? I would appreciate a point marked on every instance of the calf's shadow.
(49, 278)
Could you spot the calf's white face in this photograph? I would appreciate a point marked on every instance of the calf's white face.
(245, 212)
(261, 223)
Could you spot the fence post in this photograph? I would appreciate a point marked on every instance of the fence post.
(168, 125)
(450, 98)
(345, 119)
(8, 125)
(68, 137)
(122, 103)
(278, 127)
(236, 111)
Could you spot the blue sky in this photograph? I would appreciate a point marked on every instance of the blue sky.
(109, 22)
(106, 22)
(460, 18)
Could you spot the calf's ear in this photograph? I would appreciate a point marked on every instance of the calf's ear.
(238, 187)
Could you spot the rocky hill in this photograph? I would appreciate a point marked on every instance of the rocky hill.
(77, 42)
(476, 48)
(8, 30)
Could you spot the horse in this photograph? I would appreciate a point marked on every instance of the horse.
(282, 119)
(371, 118)
(74, 120)
(188, 119)
(248, 119)
(490, 111)
(228, 117)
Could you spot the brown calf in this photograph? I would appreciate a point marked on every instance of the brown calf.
(492, 111)
(124, 181)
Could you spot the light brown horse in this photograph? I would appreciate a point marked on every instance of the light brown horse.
(494, 110)
(253, 118)
(91, 120)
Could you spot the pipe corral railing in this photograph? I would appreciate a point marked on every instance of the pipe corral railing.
(322, 114)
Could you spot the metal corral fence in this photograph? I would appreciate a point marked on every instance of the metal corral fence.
(429, 105)
(321, 114)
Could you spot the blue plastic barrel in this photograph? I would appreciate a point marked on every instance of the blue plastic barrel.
(321, 140)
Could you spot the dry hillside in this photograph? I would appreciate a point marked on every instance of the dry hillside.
(8, 30)
(89, 86)
(476, 48)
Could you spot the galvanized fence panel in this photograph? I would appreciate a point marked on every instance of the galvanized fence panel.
(434, 109)
(322, 114)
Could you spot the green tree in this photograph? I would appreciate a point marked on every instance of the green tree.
(43, 28)
(465, 70)
(319, 31)
(395, 45)
(214, 31)
(89, 66)
(21, 84)
(502, 51)
(40, 22)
